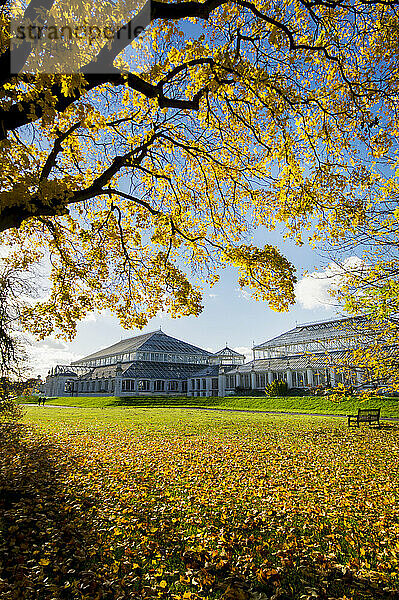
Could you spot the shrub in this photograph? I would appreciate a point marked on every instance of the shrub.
(298, 392)
(277, 388)
(242, 392)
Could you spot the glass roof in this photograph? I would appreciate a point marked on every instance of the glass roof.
(228, 352)
(156, 370)
(156, 341)
(332, 329)
(299, 361)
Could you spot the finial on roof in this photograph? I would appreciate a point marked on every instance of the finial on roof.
(160, 328)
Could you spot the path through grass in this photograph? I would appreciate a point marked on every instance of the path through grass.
(307, 404)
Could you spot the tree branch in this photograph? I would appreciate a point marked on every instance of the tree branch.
(41, 206)
(57, 148)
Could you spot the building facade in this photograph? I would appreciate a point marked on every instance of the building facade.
(149, 364)
(211, 380)
(307, 356)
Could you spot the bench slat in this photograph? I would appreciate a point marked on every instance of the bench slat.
(365, 415)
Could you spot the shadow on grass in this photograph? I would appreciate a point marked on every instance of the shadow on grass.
(390, 426)
(248, 563)
(48, 545)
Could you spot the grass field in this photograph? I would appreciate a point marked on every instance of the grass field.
(307, 404)
(114, 504)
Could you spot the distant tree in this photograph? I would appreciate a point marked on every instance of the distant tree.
(7, 343)
(12, 352)
(135, 180)
(16, 289)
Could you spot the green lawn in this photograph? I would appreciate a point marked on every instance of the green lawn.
(173, 504)
(307, 404)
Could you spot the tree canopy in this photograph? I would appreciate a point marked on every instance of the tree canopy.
(139, 179)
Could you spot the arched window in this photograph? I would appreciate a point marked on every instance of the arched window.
(144, 385)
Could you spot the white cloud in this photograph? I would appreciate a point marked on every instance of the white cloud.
(5, 250)
(91, 317)
(47, 354)
(314, 290)
(164, 315)
(243, 294)
(244, 350)
(53, 344)
(213, 295)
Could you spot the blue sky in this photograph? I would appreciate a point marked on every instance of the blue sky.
(229, 316)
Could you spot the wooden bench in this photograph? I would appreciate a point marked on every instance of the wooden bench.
(365, 415)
